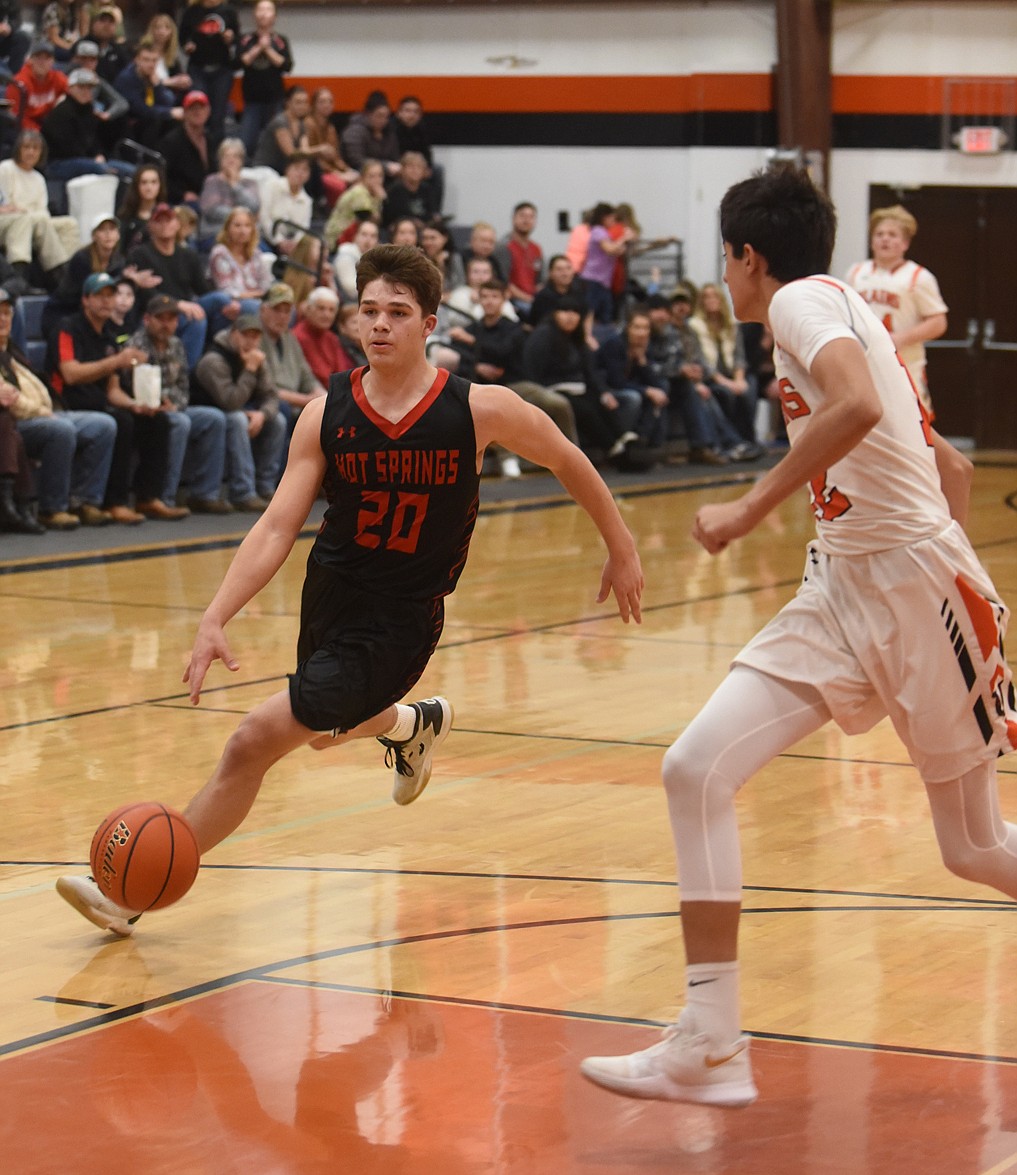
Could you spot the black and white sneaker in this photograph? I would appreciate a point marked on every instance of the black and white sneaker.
(412, 758)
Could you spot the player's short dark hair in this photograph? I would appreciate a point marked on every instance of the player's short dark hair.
(783, 215)
(403, 265)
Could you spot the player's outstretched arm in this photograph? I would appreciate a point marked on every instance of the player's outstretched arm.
(265, 548)
(501, 417)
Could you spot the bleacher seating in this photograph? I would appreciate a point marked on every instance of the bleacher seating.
(28, 327)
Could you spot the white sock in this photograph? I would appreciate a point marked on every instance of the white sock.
(404, 725)
(711, 995)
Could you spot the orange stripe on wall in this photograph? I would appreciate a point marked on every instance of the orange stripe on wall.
(860, 94)
(558, 95)
(675, 94)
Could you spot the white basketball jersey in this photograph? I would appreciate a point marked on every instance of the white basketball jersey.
(900, 298)
(886, 492)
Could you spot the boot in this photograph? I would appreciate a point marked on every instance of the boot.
(14, 517)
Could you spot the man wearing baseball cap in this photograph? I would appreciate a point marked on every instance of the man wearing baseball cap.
(37, 87)
(85, 363)
(72, 133)
(202, 309)
(197, 433)
(110, 106)
(189, 155)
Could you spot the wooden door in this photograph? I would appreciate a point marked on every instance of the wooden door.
(965, 237)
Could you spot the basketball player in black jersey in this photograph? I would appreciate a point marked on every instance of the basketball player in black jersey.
(399, 445)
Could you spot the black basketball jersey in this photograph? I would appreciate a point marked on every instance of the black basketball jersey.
(402, 495)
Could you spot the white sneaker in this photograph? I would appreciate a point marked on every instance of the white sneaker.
(412, 758)
(86, 897)
(683, 1067)
(510, 467)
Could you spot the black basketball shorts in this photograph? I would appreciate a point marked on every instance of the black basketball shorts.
(358, 652)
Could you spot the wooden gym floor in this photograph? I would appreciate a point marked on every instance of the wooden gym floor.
(360, 988)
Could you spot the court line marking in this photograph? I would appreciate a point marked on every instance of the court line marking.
(266, 973)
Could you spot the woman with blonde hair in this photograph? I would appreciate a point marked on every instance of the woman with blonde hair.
(169, 70)
(721, 342)
(305, 271)
(236, 265)
(333, 173)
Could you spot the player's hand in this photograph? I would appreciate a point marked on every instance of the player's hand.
(716, 525)
(209, 645)
(623, 575)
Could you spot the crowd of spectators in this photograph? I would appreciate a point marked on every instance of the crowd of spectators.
(187, 333)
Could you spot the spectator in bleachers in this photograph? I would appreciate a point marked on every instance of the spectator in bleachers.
(561, 279)
(602, 252)
(15, 41)
(332, 174)
(496, 354)
(187, 219)
(101, 255)
(227, 189)
(722, 349)
(126, 315)
(436, 242)
(88, 11)
(236, 265)
(638, 383)
(72, 133)
(114, 56)
(348, 256)
(58, 25)
(287, 369)
(266, 58)
(526, 258)
(483, 244)
(17, 488)
(153, 107)
(286, 199)
(147, 189)
(85, 362)
(187, 151)
(202, 309)
(361, 201)
(197, 438)
(110, 106)
(51, 240)
(411, 134)
(370, 135)
(305, 271)
(36, 88)
(169, 70)
(210, 33)
(73, 449)
(405, 231)
(232, 375)
(466, 298)
(286, 133)
(411, 193)
(348, 326)
(314, 332)
(557, 356)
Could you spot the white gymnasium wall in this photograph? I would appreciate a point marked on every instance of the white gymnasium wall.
(675, 192)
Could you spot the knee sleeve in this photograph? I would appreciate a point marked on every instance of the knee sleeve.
(748, 721)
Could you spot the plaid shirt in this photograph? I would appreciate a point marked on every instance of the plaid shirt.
(172, 362)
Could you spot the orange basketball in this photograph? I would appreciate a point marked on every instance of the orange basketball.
(144, 856)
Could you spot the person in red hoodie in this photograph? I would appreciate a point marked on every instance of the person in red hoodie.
(318, 341)
(37, 87)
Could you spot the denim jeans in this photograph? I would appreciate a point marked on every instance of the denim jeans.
(193, 332)
(252, 463)
(256, 116)
(63, 170)
(196, 452)
(75, 450)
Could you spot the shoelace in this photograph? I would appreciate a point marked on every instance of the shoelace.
(394, 757)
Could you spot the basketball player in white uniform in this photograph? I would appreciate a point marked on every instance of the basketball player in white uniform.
(895, 616)
(903, 295)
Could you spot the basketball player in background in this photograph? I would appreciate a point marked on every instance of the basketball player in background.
(902, 294)
(399, 445)
(895, 616)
